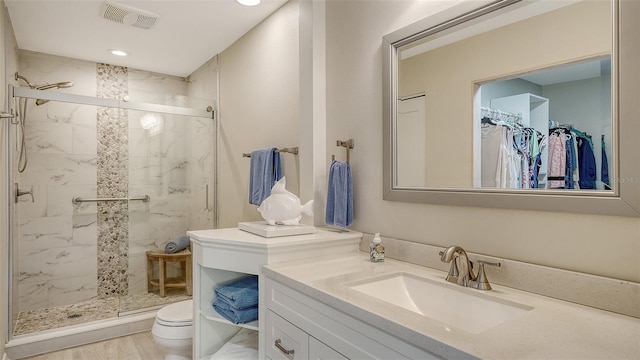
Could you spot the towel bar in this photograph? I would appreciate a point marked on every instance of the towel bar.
(291, 150)
(348, 144)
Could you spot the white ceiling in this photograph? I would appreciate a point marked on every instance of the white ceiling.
(187, 34)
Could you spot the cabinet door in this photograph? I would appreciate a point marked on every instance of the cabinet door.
(284, 340)
(320, 351)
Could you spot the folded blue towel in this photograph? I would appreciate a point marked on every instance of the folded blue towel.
(339, 195)
(236, 316)
(240, 294)
(265, 171)
(176, 245)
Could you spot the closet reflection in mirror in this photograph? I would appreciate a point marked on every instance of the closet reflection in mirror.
(548, 129)
(519, 101)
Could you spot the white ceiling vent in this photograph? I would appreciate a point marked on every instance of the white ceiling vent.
(128, 15)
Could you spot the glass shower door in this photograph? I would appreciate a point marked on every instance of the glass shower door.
(108, 184)
(171, 160)
(55, 250)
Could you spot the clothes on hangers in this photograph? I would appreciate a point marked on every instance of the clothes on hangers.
(557, 161)
(587, 164)
(572, 163)
(511, 155)
(604, 167)
(490, 146)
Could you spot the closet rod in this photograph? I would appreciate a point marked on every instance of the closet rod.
(291, 150)
(498, 112)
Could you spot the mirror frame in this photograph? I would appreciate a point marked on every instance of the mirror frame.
(624, 200)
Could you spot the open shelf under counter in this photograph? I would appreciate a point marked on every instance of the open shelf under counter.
(212, 315)
(221, 256)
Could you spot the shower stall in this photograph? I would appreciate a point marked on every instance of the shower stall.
(106, 163)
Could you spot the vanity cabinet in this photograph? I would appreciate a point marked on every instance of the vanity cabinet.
(288, 342)
(314, 330)
(222, 256)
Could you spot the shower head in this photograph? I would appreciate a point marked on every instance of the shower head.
(59, 85)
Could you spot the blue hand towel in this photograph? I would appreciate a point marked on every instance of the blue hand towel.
(176, 245)
(265, 171)
(236, 316)
(240, 294)
(339, 195)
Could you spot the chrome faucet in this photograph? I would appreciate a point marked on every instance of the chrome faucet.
(461, 270)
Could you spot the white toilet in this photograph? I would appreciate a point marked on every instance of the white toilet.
(173, 330)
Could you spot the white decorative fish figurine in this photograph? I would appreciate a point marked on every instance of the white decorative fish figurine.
(283, 207)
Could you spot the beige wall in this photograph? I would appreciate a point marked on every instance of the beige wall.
(448, 74)
(259, 108)
(602, 245)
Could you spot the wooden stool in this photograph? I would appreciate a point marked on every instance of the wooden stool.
(184, 257)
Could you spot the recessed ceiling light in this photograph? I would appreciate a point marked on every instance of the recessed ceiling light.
(118, 52)
(248, 2)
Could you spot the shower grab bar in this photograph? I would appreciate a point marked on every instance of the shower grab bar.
(76, 199)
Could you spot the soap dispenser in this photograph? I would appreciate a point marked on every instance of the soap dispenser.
(376, 249)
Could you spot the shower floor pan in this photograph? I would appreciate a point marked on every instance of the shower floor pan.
(45, 330)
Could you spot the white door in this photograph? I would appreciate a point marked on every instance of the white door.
(411, 135)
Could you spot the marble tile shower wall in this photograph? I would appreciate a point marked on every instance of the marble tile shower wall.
(58, 247)
(57, 241)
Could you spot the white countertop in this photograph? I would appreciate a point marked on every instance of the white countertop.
(553, 329)
(237, 237)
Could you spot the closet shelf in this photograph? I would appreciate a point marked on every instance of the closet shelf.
(212, 315)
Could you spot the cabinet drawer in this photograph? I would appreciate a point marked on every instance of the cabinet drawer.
(320, 351)
(284, 337)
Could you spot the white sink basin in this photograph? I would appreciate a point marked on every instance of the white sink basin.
(466, 309)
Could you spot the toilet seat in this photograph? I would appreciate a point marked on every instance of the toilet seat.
(176, 315)
(173, 323)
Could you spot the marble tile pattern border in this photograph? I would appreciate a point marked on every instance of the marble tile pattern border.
(615, 295)
(112, 180)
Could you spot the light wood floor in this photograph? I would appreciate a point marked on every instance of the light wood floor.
(133, 347)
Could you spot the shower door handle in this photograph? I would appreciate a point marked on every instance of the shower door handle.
(206, 197)
(22, 192)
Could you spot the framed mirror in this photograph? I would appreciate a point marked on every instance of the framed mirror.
(515, 104)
